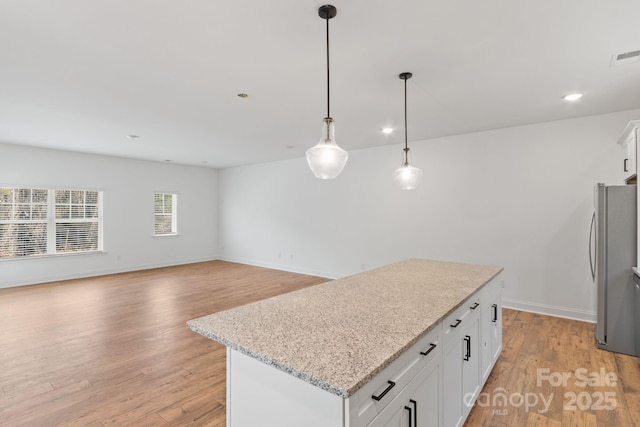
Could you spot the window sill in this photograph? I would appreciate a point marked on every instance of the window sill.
(165, 235)
(68, 254)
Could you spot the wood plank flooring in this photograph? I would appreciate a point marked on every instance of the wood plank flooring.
(115, 351)
(550, 374)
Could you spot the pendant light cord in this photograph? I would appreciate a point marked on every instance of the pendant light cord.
(406, 147)
(406, 144)
(328, 99)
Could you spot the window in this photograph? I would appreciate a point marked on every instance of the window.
(23, 222)
(77, 225)
(36, 221)
(165, 205)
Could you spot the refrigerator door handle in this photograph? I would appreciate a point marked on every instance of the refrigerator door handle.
(591, 257)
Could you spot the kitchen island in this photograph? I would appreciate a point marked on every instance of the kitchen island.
(341, 353)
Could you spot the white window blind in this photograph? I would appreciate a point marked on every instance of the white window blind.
(165, 208)
(77, 221)
(23, 222)
(37, 221)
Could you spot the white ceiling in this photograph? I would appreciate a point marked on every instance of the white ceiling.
(82, 75)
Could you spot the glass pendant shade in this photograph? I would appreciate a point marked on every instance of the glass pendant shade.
(407, 177)
(326, 159)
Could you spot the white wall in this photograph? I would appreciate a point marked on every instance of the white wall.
(520, 198)
(128, 187)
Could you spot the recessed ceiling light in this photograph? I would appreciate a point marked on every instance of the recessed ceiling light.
(167, 160)
(387, 130)
(572, 97)
(133, 136)
(243, 95)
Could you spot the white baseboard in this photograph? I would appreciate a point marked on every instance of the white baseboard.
(550, 310)
(307, 271)
(36, 280)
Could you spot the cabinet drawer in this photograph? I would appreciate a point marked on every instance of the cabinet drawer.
(456, 320)
(374, 396)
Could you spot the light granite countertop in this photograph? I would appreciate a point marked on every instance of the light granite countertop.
(340, 334)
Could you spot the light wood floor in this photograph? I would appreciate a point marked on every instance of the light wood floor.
(115, 351)
(563, 347)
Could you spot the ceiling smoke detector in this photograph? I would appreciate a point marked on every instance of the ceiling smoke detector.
(625, 58)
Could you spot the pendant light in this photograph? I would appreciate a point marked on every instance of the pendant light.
(407, 177)
(327, 159)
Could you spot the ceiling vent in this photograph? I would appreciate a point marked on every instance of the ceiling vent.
(625, 58)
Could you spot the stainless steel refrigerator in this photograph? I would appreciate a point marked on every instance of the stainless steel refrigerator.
(612, 250)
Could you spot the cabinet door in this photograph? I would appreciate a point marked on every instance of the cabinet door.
(471, 363)
(496, 329)
(629, 143)
(491, 324)
(631, 153)
(487, 338)
(461, 368)
(452, 386)
(392, 416)
(426, 401)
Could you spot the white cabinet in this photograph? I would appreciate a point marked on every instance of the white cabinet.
(420, 403)
(491, 324)
(386, 388)
(471, 363)
(392, 416)
(428, 410)
(629, 143)
(461, 362)
(444, 391)
(452, 390)
(434, 383)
